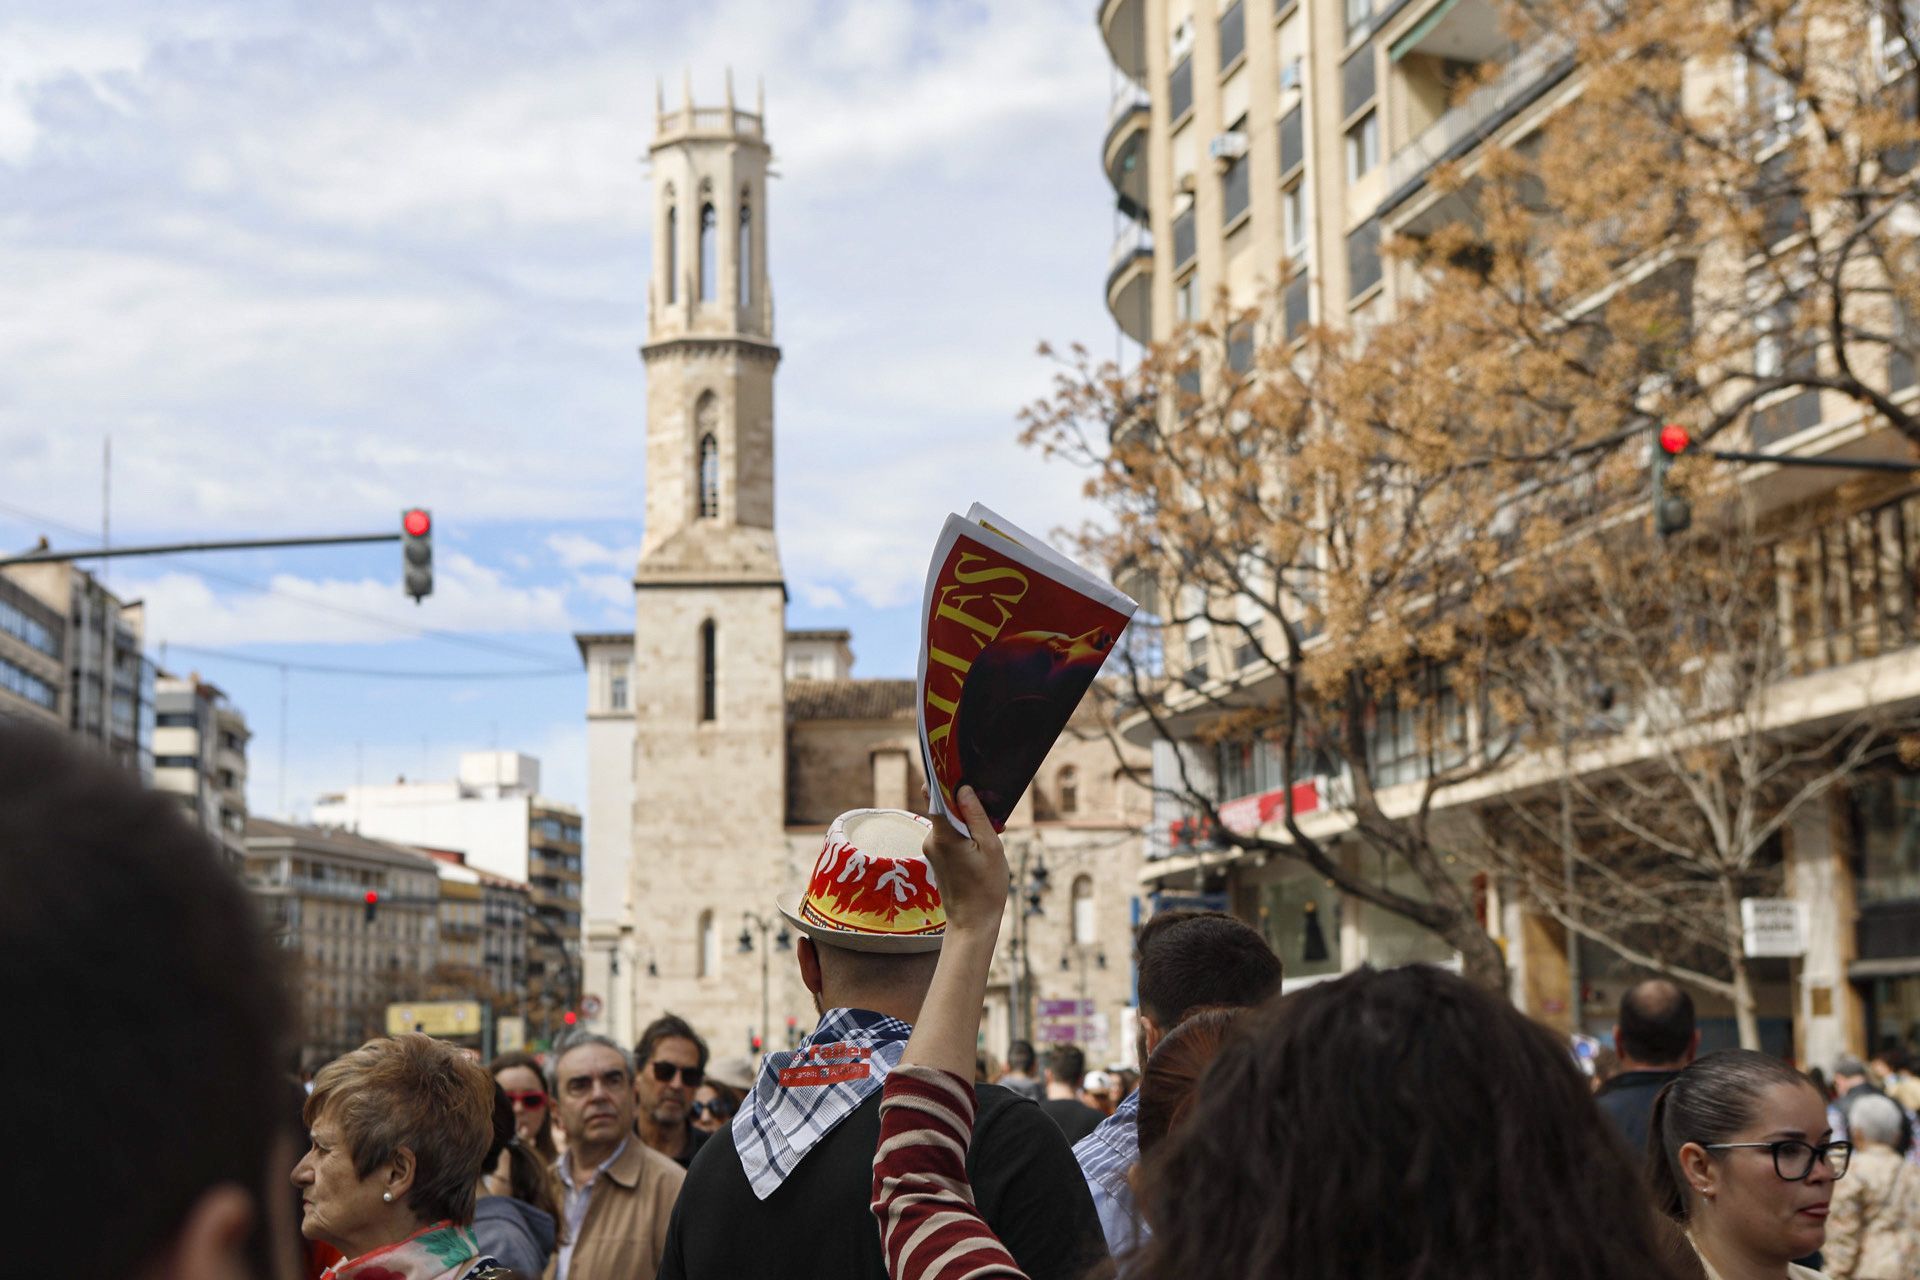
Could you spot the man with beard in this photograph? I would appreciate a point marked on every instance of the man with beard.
(619, 1191)
(670, 1062)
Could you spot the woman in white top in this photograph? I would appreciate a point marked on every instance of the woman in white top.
(1743, 1158)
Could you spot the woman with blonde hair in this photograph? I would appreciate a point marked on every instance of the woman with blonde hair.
(399, 1128)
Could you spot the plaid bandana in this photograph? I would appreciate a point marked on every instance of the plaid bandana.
(801, 1096)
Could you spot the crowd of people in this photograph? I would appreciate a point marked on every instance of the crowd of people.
(1384, 1125)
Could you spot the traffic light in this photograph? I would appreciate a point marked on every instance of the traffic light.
(1671, 513)
(569, 1017)
(416, 546)
(373, 904)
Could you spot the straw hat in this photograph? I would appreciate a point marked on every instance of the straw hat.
(871, 888)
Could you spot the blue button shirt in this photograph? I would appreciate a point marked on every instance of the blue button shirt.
(1107, 1156)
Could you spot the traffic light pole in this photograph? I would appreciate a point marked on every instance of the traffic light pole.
(1835, 464)
(46, 556)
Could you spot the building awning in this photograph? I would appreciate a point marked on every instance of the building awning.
(1421, 30)
(1885, 967)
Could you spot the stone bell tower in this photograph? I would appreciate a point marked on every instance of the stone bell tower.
(710, 616)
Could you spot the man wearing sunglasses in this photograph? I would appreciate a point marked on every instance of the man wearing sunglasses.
(672, 1061)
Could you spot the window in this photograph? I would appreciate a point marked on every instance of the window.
(709, 946)
(1068, 790)
(1240, 348)
(15, 622)
(1297, 306)
(1363, 146)
(1183, 301)
(1356, 83)
(617, 693)
(1358, 12)
(1082, 910)
(1293, 218)
(709, 671)
(1234, 192)
(1185, 242)
(709, 253)
(673, 249)
(1180, 88)
(1233, 34)
(1293, 141)
(709, 477)
(17, 680)
(746, 254)
(1363, 259)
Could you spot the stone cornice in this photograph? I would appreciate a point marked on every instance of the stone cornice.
(699, 345)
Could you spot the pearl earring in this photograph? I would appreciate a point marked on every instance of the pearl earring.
(387, 1196)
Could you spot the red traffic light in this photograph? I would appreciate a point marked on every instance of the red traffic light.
(372, 897)
(417, 523)
(1674, 439)
(570, 1017)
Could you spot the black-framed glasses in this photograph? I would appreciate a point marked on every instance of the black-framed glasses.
(1793, 1159)
(689, 1076)
(718, 1110)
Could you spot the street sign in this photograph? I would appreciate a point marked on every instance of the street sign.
(1065, 1008)
(1773, 927)
(510, 1034)
(1189, 902)
(1059, 1032)
(435, 1017)
(591, 1006)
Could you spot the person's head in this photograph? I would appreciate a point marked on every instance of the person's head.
(1021, 1059)
(669, 1063)
(713, 1107)
(1656, 1029)
(1874, 1120)
(1170, 1084)
(593, 1088)
(529, 1176)
(1888, 1062)
(122, 929)
(400, 1128)
(1848, 1073)
(1819, 1080)
(1191, 959)
(1387, 1124)
(891, 982)
(1066, 1064)
(520, 1076)
(1732, 1142)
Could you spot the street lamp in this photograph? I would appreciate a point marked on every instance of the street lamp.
(1030, 883)
(749, 922)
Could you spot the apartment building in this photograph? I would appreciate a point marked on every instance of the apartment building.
(353, 956)
(1264, 148)
(103, 689)
(483, 933)
(33, 646)
(200, 755)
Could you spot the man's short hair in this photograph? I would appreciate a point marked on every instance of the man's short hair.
(1191, 959)
(1067, 1064)
(580, 1040)
(416, 1092)
(1020, 1057)
(1875, 1118)
(1848, 1065)
(121, 927)
(668, 1026)
(1656, 1021)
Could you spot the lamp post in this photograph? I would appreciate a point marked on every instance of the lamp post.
(1030, 879)
(749, 922)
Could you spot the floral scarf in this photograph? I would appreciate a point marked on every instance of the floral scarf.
(439, 1251)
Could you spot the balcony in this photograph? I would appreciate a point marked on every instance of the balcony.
(1123, 25)
(1130, 282)
(1125, 148)
(1460, 41)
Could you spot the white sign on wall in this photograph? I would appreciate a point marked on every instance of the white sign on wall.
(1773, 927)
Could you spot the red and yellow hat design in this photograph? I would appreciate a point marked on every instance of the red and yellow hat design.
(871, 888)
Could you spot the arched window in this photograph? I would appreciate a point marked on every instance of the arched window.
(709, 671)
(709, 946)
(709, 478)
(1082, 910)
(673, 248)
(709, 252)
(746, 254)
(1068, 790)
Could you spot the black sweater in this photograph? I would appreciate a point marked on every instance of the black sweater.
(818, 1223)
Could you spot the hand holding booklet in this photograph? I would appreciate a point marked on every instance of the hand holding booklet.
(1012, 635)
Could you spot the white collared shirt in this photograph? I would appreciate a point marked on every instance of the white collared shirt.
(576, 1205)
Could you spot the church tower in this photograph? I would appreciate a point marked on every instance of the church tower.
(709, 763)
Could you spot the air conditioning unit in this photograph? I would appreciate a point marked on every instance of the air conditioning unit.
(1226, 147)
(1290, 75)
(1180, 44)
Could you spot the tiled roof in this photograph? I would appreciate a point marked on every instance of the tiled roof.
(850, 699)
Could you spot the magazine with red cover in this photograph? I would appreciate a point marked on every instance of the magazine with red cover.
(1013, 634)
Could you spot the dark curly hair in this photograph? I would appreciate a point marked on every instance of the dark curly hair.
(1398, 1125)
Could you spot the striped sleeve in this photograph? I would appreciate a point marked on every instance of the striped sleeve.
(929, 1227)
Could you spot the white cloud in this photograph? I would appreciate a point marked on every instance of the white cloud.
(577, 551)
(818, 595)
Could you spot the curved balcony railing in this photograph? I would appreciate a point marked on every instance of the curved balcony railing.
(1123, 25)
(1130, 282)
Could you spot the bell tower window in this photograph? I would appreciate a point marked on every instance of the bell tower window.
(709, 671)
(709, 245)
(746, 254)
(673, 249)
(709, 478)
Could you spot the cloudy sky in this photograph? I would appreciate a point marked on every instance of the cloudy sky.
(309, 264)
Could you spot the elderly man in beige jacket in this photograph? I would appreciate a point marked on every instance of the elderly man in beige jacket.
(619, 1191)
(1873, 1228)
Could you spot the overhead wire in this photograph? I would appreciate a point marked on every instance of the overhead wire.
(377, 673)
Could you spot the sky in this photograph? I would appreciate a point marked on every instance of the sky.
(307, 265)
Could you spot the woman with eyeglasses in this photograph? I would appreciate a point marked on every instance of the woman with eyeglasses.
(523, 1224)
(1874, 1230)
(518, 1074)
(1742, 1157)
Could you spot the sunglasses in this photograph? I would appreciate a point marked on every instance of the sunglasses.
(529, 1099)
(718, 1110)
(689, 1076)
